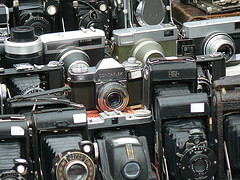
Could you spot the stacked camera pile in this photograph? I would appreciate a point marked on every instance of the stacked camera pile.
(113, 89)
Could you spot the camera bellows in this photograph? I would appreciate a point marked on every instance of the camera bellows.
(62, 158)
(8, 152)
(232, 132)
(26, 84)
(187, 152)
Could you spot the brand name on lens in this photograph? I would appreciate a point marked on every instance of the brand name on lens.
(111, 75)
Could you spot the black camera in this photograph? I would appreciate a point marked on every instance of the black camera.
(186, 150)
(231, 131)
(26, 79)
(183, 75)
(134, 161)
(15, 148)
(60, 144)
(42, 15)
(179, 88)
(108, 86)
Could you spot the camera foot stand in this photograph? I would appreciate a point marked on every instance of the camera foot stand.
(229, 173)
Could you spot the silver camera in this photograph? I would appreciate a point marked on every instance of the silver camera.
(215, 35)
(90, 42)
(145, 42)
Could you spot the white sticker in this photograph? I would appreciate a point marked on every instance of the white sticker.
(197, 107)
(17, 131)
(79, 118)
(136, 74)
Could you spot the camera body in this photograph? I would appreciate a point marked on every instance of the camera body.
(15, 148)
(220, 35)
(26, 79)
(134, 165)
(145, 42)
(187, 140)
(61, 145)
(106, 86)
(172, 89)
(125, 131)
(40, 14)
(91, 41)
(181, 74)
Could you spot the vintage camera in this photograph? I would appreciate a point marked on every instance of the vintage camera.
(220, 35)
(132, 129)
(88, 14)
(186, 150)
(106, 86)
(42, 15)
(215, 6)
(182, 75)
(134, 161)
(60, 144)
(145, 42)
(180, 89)
(23, 47)
(4, 27)
(91, 42)
(231, 138)
(26, 79)
(15, 148)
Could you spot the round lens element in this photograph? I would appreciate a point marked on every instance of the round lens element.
(114, 99)
(200, 166)
(131, 170)
(112, 96)
(219, 42)
(51, 10)
(77, 172)
(227, 50)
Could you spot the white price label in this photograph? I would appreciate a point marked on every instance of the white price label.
(136, 74)
(197, 107)
(17, 131)
(79, 118)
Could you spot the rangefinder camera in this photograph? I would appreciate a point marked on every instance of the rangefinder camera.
(107, 86)
(145, 42)
(40, 14)
(220, 35)
(91, 42)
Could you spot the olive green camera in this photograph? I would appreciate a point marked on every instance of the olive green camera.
(145, 42)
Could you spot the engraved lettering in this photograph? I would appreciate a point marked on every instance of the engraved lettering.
(174, 74)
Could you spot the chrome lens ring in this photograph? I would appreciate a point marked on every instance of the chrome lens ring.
(220, 42)
(112, 96)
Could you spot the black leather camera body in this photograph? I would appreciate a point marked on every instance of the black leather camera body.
(178, 90)
(15, 148)
(61, 146)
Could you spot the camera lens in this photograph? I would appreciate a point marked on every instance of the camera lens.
(112, 96)
(200, 166)
(76, 171)
(23, 47)
(131, 170)
(114, 99)
(220, 42)
(74, 60)
(145, 49)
